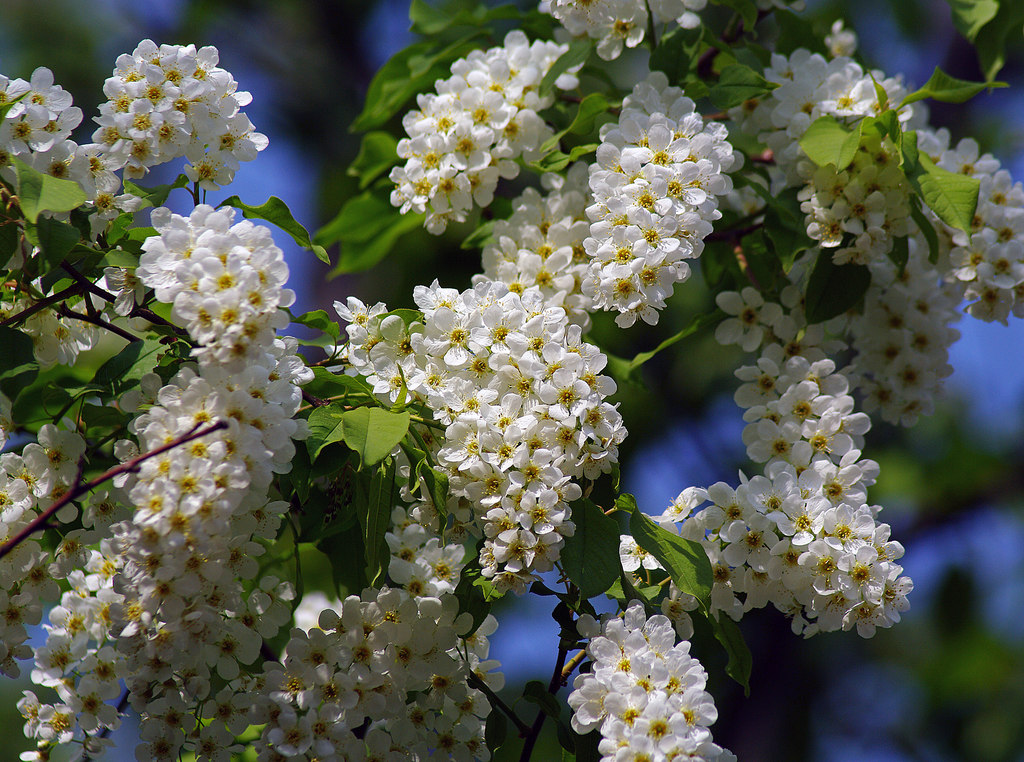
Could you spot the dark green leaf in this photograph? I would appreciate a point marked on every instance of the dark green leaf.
(796, 32)
(698, 322)
(19, 364)
(685, 560)
(124, 370)
(577, 55)
(556, 161)
(10, 235)
(827, 141)
(157, 195)
(900, 252)
(479, 237)
(372, 432)
(928, 231)
(676, 53)
(590, 108)
(496, 729)
(55, 238)
(327, 384)
(375, 517)
(368, 227)
(833, 289)
(437, 485)
(738, 83)
(746, 8)
(39, 192)
(727, 632)
(346, 551)
(276, 212)
(590, 557)
(319, 320)
(377, 154)
(472, 597)
(990, 41)
(536, 693)
(942, 87)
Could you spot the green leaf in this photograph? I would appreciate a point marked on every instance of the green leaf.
(833, 289)
(319, 320)
(740, 663)
(942, 87)
(377, 154)
(827, 141)
(698, 322)
(346, 552)
(124, 370)
(686, 561)
(472, 593)
(928, 231)
(590, 557)
(746, 8)
(368, 227)
(577, 55)
(738, 83)
(677, 53)
(953, 197)
(408, 72)
(479, 237)
(885, 124)
(372, 432)
(991, 39)
(19, 366)
(276, 212)
(796, 32)
(589, 109)
(970, 16)
(536, 693)
(39, 192)
(10, 235)
(157, 195)
(496, 729)
(376, 517)
(437, 485)
(900, 252)
(556, 161)
(55, 238)
(327, 384)
(428, 20)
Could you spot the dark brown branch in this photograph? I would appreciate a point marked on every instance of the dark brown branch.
(65, 311)
(129, 466)
(553, 686)
(42, 304)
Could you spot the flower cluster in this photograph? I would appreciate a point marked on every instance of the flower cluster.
(467, 135)
(168, 101)
(801, 536)
(988, 264)
(645, 692)
(56, 338)
(37, 125)
(390, 666)
(523, 402)
(655, 184)
(541, 244)
(614, 23)
(225, 281)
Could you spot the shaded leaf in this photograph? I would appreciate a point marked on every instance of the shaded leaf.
(377, 154)
(833, 289)
(736, 84)
(942, 87)
(740, 663)
(55, 238)
(590, 557)
(375, 517)
(39, 192)
(157, 195)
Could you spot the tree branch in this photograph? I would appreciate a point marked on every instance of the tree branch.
(553, 686)
(42, 304)
(475, 682)
(129, 466)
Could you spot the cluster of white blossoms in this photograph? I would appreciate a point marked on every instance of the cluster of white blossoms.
(801, 536)
(225, 280)
(381, 676)
(56, 339)
(989, 264)
(523, 402)
(30, 482)
(168, 101)
(37, 125)
(656, 181)
(420, 563)
(618, 23)
(541, 244)
(645, 693)
(467, 135)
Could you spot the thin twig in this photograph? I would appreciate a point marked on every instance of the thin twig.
(553, 686)
(574, 662)
(475, 682)
(42, 304)
(65, 311)
(129, 466)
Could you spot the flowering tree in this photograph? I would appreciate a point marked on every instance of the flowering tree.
(447, 455)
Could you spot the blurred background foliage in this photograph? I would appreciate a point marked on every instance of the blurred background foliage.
(945, 684)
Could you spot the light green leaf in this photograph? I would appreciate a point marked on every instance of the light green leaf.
(577, 55)
(372, 432)
(953, 197)
(276, 212)
(833, 289)
(942, 87)
(319, 320)
(970, 16)
(928, 231)
(827, 141)
(157, 195)
(124, 370)
(39, 192)
(377, 154)
(740, 663)
(738, 83)
(686, 561)
(590, 557)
